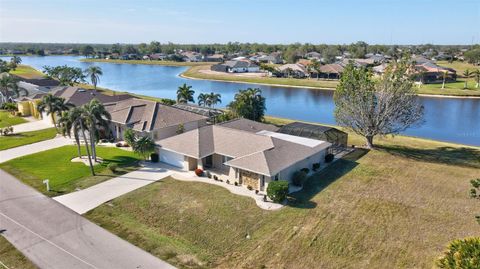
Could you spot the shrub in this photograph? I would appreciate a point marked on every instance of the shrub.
(329, 157)
(154, 157)
(316, 166)
(461, 253)
(299, 178)
(6, 131)
(277, 190)
(236, 183)
(256, 191)
(208, 174)
(249, 187)
(228, 181)
(215, 177)
(118, 145)
(305, 170)
(18, 114)
(129, 136)
(199, 172)
(112, 167)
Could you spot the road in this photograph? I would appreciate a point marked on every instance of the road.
(53, 236)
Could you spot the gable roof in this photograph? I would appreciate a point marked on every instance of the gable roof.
(146, 115)
(79, 96)
(332, 68)
(248, 125)
(295, 67)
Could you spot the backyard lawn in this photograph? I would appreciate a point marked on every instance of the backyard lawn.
(64, 175)
(7, 119)
(11, 257)
(394, 207)
(16, 140)
(27, 72)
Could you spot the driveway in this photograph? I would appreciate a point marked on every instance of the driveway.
(32, 126)
(84, 200)
(9, 154)
(52, 236)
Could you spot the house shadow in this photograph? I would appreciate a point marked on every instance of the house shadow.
(460, 156)
(322, 179)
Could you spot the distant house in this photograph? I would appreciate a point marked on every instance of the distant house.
(191, 56)
(214, 58)
(150, 118)
(331, 71)
(130, 56)
(273, 58)
(313, 55)
(429, 72)
(243, 66)
(293, 70)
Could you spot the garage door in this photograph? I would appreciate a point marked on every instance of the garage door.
(171, 158)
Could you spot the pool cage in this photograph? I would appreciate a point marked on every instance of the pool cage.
(336, 137)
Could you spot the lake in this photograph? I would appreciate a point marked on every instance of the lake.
(447, 119)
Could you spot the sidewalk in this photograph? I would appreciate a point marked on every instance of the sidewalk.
(31, 126)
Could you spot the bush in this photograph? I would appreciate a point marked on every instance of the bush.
(305, 170)
(112, 167)
(461, 253)
(277, 190)
(129, 136)
(316, 166)
(256, 191)
(154, 157)
(208, 174)
(6, 131)
(119, 145)
(329, 157)
(215, 177)
(199, 172)
(236, 183)
(249, 187)
(299, 178)
(228, 181)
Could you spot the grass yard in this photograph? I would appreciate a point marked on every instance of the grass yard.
(64, 175)
(394, 207)
(7, 119)
(11, 257)
(147, 62)
(27, 72)
(16, 140)
(460, 67)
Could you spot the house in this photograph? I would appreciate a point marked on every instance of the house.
(191, 56)
(313, 55)
(155, 56)
(150, 118)
(242, 66)
(331, 71)
(209, 112)
(273, 58)
(429, 72)
(214, 58)
(293, 70)
(243, 157)
(249, 125)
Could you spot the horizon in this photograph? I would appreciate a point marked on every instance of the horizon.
(265, 22)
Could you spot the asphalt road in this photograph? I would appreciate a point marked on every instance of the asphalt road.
(53, 236)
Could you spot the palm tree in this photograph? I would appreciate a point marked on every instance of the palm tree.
(213, 99)
(15, 61)
(94, 72)
(8, 87)
(466, 74)
(96, 117)
(185, 94)
(144, 146)
(315, 66)
(53, 105)
(202, 99)
(444, 77)
(476, 73)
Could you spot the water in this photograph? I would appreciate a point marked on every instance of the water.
(447, 119)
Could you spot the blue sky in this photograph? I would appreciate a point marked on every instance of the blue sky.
(266, 21)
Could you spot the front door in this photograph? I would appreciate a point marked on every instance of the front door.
(208, 161)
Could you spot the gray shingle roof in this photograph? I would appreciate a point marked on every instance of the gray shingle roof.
(249, 125)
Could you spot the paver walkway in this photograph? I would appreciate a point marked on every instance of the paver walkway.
(31, 126)
(9, 154)
(54, 237)
(84, 200)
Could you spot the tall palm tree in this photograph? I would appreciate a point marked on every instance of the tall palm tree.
(202, 99)
(467, 75)
(476, 74)
(8, 88)
(185, 94)
(94, 72)
(96, 117)
(53, 105)
(444, 77)
(15, 61)
(214, 98)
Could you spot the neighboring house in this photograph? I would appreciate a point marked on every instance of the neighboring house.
(273, 58)
(206, 111)
(429, 72)
(247, 158)
(242, 66)
(249, 125)
(379, 69)
(214, 58)
(293, 70)
(313, 55)
(331, 71)
(151, 118)
(191, 56)
(155, 56)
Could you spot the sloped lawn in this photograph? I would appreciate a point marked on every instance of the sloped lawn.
(21, 139)
(7, 119)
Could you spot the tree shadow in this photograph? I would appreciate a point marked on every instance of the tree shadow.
(322, 179)
(460, 156)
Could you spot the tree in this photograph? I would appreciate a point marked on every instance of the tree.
(9, 88)
(473, 56)
(461, 254)
(467, 75)
(4, 66)
(144, 146)
(249, 104)
(444, 77)
(68, 76)
(96, 117)
(476, 74)
(116, 48)
(314, 66)
(14, 62)
(277, 190)
(475, 193)
(69, 124)
(185, 94)
(94, 72)
(370, 108)
(202, 99)
(53, 105)
(213, 99)
(87, 50)
(130, 137)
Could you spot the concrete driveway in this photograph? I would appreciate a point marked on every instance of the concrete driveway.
(84, 200)
(9, 154)
(54, 237)
(32, 126)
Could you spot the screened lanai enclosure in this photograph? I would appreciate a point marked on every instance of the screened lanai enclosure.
(314, 131)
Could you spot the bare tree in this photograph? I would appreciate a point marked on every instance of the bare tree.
(371, 108)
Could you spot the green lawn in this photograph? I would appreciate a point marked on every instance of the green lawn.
(147, 62)
(394, 207)
(27, 72)
(12, 258)
(16, 140)
(7, 119)
(64, 175)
